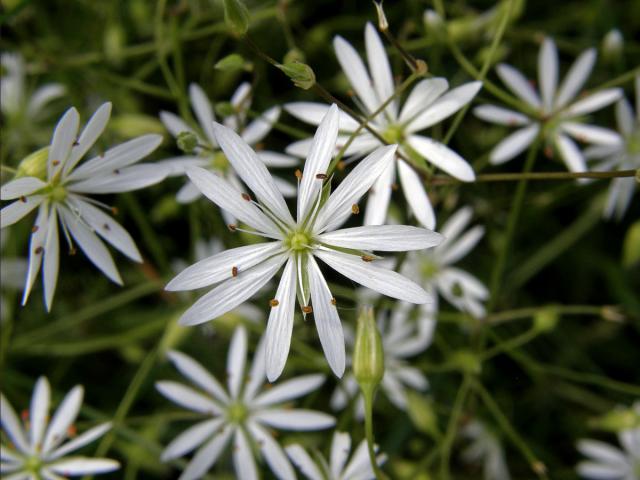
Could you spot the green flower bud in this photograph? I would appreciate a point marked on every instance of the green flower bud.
(224, 109)
(187, 142)
(466, 361)
(294, 55)
(231, 62)
(383, 24)
(422, 414)
(618, 420)
(34, 165)
(236, 16)
(368, 355)
(612, 46)
(546, 320)
(631, 246)
(300, 74)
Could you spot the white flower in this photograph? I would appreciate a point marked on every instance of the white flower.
(402, 338)
(61, 195)
(240, 272)
(434, 268)
(242, 415)
(623, 156)
(338, 467)
(426, 105)
(37, 449)
(555, 113)
(607, 462)
(486, 449)
(211, 157)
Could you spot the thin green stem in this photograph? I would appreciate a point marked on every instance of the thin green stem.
(523, 313)
(452, 426)
(515, 177)
(511, 344)
(368, 428)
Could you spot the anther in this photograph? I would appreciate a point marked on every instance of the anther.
(114, 210)
(72, 251)
(367, 258)
(234, 271)
(35, 228)
(55, 163)
(232, 226)
(274, 302)
(38, 250)
(321, 176)
(106, 227)
(23, 199)
(25, 415)
(117, 171)
(355, 209)
(394, 186)
(341, 165)
(76, 143)
(307, 309)
(334, 301)
(72, 431)
(298, 174)
(246, 197)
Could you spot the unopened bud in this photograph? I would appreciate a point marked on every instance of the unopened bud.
(34, 165)
(294, 55)
(236, 16)
(368, 354)
(618, 420)
(422, 414)
(466, 361)
(612, 46)
(224, 109)
(187, 141)
(383, 25)
(545, 320)
(300, 74)
(231, 63)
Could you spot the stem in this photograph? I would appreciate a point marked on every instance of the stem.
(513, 177)
(450, 433)
(368, 429)
(511, 344)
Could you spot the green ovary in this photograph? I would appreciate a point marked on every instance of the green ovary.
(237, 413)
(393, 134)
(633, 143)
(298, 241)
(429, 270)
(58, 193)
(33, 465)
(219, 161)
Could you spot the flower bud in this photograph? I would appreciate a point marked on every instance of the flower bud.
(612, 45)
(618, 420)
(383, 24)
(231, 63)
(300, 74)
(368, 355)
(236, 16)
(34, 165)
(187, 142)
(422, 414)
(631, 246)
(225, 109)
(545, 320)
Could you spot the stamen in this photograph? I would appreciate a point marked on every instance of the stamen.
(106, 227)
(307, 309)
(38, 250)
(234, 271)
(367, 258)
(355, 209)
(321, 176)
(232, 227)
(298, 174)
(55, 163)
(333, 301)
(245, 196)
(35, 228)
(274, 302)
(23, 199)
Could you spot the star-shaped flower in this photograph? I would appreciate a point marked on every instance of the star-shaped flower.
(555, 113)
(484, 448)
(209, 155)
(428, 104)
(242, 415)
(297, 243)
(60, 191)
(609, 462)
(37, 449)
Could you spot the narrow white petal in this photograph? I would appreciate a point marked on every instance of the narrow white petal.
(289, 390)
(518, 84)
(63, 137)
(386, 238)
(92, 131)
(380, 69)
(187, 397)
(296, 419)
(207, 456)
(257, 373)
(462, 246)
(197, 374)
(223, 266)
(241, 101)
(624, 116)
(454, 226)
(19, 187)
(340, 448)
(36, 246)
(442, 157)
(38, 412)
(422, 96)
(243, 461)
(177, 166)
(576, 77)
(65, 416)
(548, 72)
(416, 195)
(500, 115)
(601, 451)
(571, 154)
(272, 452)
(275, 159)
(353, 67)
(175, 124)
(598, 471)
(445, 106)
(227, 197)
(202, 107)
(303, 462)
(619, 198)
(191, 438)
(288, 190)
(280, 324)
(117, 181)
(592, 134)
(593, 102)
(80, 441)
(340, 204)
(42, 96)
(376, 278)
(12, 426)
(322, 148)
(261, 126)
(252, 171)
(231, 293)
(236, 359)
(19, 209)
(326, 317)
(379, 197)
(51, 261)
(514, 144)
(313, 113)
(91, 245)
(84, 466)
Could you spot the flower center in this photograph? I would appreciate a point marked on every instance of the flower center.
(429, 269)
(33, 465)
(298, 241)
(633, 143)
(237, 413)
(57, 193)
(219, 162)
(393, 134)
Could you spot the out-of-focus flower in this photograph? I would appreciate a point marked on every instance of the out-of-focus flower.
(555, 114)
(12, 272)
(208, 153)
(38, 449)
(339, 467)
(484, 448)
(61, 194)
(426, 106)
(243, 415)
(612, 45)
(240, 272)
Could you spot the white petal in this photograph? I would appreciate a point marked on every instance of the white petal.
(296, 419)
(65, 416)
(576, 77)
(12, 426)
(257, 373)
(51, 261)
(289, 390)
(221, 266)
(36, 245)
(19, 187)
(42, 96)
(592, 134)
(91, 245)
(380, 69)
(326, 318)
(243, 461)
(624, 116)
(499, 115)
(593, 102)
(413, 377)
(280, 324)
(241, 101)
(353, 67)
(340, 448)
(272, 452)
(287, 189)
(514, 144)
(619, 198)
(596, 471)
(324, 142)
(442, 157)
(313, 113)
(387, 238)
(416, 195)
(197, 374)
(252, 171)
(190, 193)
(191, 438)
(202, 107)
(462, 246)
(236, 359)
(445, 106)
(175, 124)
(231, 293)
(275, 159)
(601, 451)
(518, 84)
(223, 194)
(19, 209)
(63, 137)
(84, 466)
(302, 460)
(379, 197)
(38, 412)
(187, 397)
(422, 96)
(176, 166)
(339, 205)
(261, 126)
(94, 128)
(125, 180)
(376, 278)
(80, 441)
(207, 456)
(548, 72)
(571, 154)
